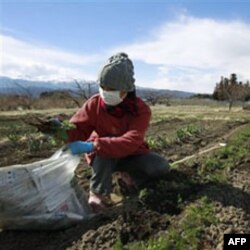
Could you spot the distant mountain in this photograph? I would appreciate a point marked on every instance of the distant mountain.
(21, 86)
(148, 92)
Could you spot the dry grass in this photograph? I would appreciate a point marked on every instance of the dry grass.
(48, 112)
(218, 112)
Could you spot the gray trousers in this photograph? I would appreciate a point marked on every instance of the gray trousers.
(140, 167)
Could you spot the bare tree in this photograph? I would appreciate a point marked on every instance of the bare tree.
(80, 94)
(165, 99)
(26, 97)
(152, 100)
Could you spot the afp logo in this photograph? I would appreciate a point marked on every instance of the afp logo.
(236, 241)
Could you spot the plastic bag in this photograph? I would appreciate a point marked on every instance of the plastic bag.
(42, 195)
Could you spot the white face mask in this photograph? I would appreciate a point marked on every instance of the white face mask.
(111, 98)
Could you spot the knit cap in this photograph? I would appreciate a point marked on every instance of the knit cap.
(118, 73)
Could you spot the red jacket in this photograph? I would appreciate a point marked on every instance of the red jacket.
(116, 137)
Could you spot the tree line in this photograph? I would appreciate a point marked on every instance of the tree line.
(231, 90)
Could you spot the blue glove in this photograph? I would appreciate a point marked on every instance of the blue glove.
(79, 147)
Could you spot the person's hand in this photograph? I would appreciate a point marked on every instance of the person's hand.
(54, 124)
(80, 147)
(59, 129)
(55, 121)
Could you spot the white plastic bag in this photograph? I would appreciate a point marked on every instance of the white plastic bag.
(42, 195)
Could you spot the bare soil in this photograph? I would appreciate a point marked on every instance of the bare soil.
(139, 218)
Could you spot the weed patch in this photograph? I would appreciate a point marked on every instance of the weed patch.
(187, 132)
(215, 167)
(237, 149)
(186, 233)
(158, 143)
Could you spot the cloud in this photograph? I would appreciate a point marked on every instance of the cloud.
(21, 59)
(192, 53)
(187, 53)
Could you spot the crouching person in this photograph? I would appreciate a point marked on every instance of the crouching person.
(110, 128)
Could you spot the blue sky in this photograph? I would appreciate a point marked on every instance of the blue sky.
(181, 45)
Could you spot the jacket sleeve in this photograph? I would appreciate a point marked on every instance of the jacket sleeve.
(129, 142)
(83, 120)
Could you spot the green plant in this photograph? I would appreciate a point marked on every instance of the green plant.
(61, 134)
(220, 177)
(156, 245)
(188, 234)
(14, 138)
(51, 142)
(144, 194)
(212, 164)
(186, 132)
(233, 151)
(185, 234)
(238, 148)
(158, 142)
(179, 200)
(14, 134)
(118, 245)
(34, 144)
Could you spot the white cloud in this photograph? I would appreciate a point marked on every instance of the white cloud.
(192, 53)
(184, 54)
(29, 61)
